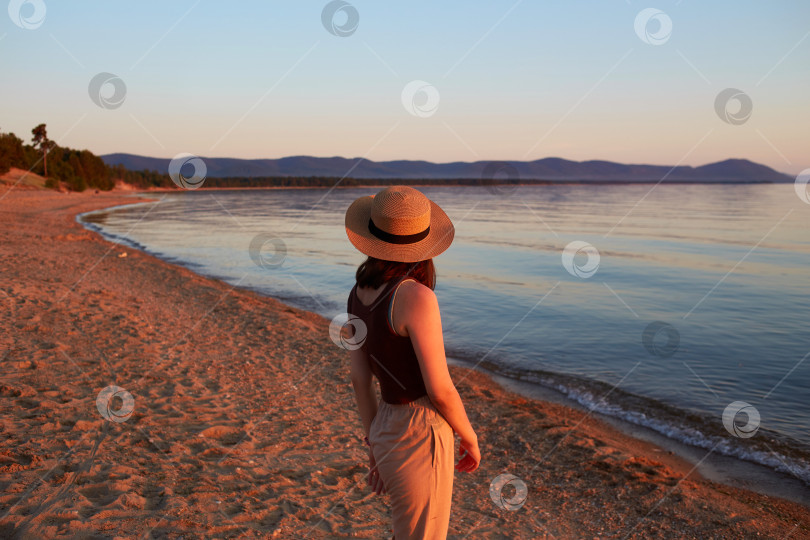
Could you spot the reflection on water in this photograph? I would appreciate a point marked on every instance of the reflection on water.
(725, 266)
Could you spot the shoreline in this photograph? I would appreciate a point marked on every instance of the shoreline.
(729, 470)
(743, 466)
(428, 184)
(721, 467)
(597, 480)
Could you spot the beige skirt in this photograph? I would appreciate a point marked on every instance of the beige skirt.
(413, 445)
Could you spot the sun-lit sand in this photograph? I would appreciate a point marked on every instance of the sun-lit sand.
(243, 421)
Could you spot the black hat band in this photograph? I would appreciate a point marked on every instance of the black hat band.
(396, 238)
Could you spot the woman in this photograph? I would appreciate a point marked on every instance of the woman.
(410, 431)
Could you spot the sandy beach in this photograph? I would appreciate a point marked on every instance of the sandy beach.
(243, 422)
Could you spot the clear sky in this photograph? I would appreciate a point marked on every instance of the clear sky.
(514, 80)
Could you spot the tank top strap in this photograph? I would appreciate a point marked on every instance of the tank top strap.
(390, 317)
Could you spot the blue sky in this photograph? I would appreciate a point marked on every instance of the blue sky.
(515, 80)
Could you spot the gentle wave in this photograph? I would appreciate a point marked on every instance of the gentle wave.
(690, 428)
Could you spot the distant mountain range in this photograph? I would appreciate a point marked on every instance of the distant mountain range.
(552, 169)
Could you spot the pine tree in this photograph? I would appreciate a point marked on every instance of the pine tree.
(41, 141)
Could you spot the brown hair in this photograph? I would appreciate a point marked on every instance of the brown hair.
(374, 272)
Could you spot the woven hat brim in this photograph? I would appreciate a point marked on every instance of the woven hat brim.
(437, 241)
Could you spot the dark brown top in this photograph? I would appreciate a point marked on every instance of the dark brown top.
(391, 357)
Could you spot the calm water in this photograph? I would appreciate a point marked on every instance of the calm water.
(725, 266)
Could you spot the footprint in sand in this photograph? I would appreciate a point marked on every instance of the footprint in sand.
(224, 434)
(100, 494)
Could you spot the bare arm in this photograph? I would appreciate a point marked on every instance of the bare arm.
(363, 382)
(416, 314)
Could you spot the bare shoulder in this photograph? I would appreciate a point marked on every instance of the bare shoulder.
(415, 304)
(417, 296)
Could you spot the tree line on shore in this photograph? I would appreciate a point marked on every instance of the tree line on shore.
(74, 169)
(78, 170)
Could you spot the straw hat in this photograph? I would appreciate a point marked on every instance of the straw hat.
(398, 224)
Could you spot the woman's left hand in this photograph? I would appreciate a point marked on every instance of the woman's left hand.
(374, 479)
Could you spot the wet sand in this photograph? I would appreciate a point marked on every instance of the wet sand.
(243, 421)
